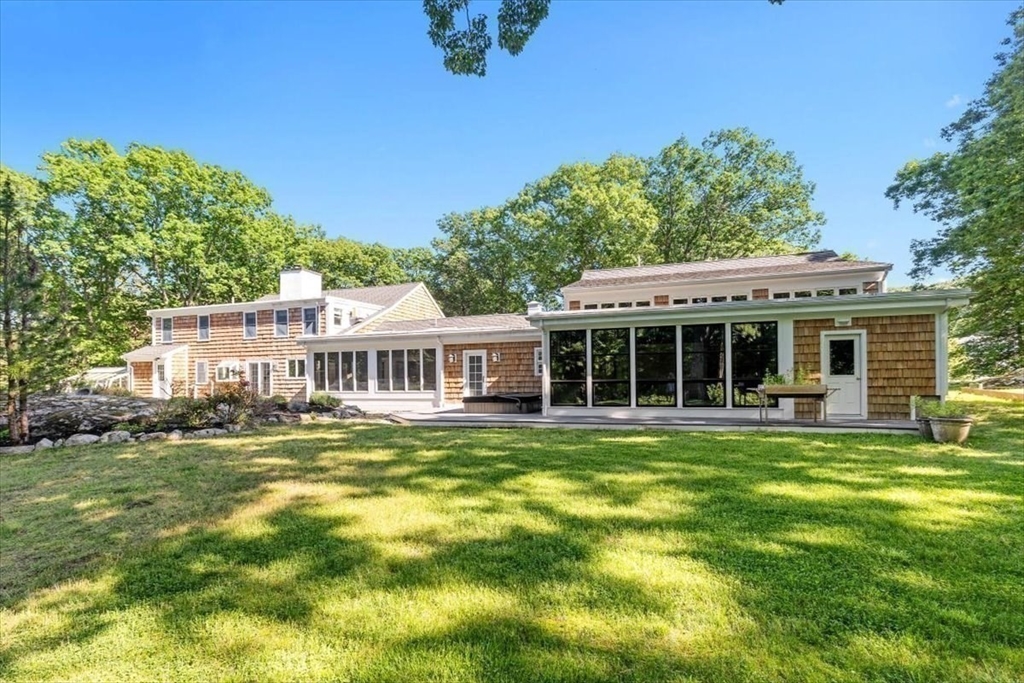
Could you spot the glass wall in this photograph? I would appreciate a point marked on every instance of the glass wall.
(755, 351)
(354, 371)
(656, 366)
(407, 370)
(568, 368)
(609, 367)
(703, 365)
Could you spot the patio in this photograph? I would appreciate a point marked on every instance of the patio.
(457, 418)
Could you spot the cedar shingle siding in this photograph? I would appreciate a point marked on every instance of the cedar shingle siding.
(901, 360)
(416, 306)
(512, 374)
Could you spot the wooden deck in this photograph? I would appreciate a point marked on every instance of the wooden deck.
(456, 418)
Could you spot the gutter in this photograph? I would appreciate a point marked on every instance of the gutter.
(438, 334)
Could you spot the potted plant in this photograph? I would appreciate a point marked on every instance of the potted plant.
(950, 422)
(797, 382)
(923, 410)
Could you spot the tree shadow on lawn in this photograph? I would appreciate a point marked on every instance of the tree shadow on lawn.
(838, 552)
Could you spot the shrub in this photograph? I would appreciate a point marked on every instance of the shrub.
(234, 403)
(951, 409)
(279, 401)
(322, 400)
(181, 411)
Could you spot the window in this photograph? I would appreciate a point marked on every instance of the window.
(249, 325)
(397, 369)
(310, 321)
(739, 297)
(826, 292)
(383, 371)
(609, 367)
(166, 330)
(538, 362)
(339, 319)
(337, 371)
(333, 378)
(642, 303)
(568, 367)
(297, 368)
(718, 299)
(625, 304)
(227, 370)
(607, 305)
(202, 372)
(679, 302)
(700, 300)
(703, 365)
(755, 351)
(281, 323)
(803, 294)
(589, 307)
(203, 327)
(319, 372)
(847, 291)
(656, 366)
(780, 295)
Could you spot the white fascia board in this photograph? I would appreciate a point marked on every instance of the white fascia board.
(691, 282)
(445, 336)
(863, 305)
(343, 302)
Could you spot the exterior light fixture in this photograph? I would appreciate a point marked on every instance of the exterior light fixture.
(451, 357)
(495, 357)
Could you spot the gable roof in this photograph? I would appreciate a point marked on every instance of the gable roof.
(500, 321)
(695, 271)
(382, 295)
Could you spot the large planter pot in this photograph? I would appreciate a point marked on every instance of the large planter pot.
(951, 429)
(924, 427)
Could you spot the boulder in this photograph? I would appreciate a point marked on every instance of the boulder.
(203, 433)
(233, 428)
(81, 439)
(174, 435)
(59, 443)
(153, 436)
(117, 436)
(43, 444)
(16, 450)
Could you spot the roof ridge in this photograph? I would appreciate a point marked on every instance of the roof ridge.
(713, 260)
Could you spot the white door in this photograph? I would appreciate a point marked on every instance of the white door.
(841, 370)
(475, 372)
(259, 378)
(161, 380)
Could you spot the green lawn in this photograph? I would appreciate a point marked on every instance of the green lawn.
(377, 553)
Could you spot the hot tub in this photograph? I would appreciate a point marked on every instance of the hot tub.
(502, 403)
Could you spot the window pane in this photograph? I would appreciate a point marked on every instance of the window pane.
(398, 370)
(201, 372)
(319, 372)
(569, 355)
(656, 366)
(703, 365)
(826, 292)
(167, 330)
(841, 357)
(412, 369)
(383, 371)
(610, 366)
(332, 372)
(204, 327)
(755, 350)
(611, 393)
(265, 369)
(281, 323)
(309, 321)
(348, 380)
(568, 393)
(429, 369)
(362, 371)
(250, 325)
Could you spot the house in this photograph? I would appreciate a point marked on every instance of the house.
(676, 339)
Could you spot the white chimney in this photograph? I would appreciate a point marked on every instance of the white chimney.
(534, 307)
(299, 283)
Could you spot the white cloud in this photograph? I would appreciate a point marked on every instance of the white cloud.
(953, 101)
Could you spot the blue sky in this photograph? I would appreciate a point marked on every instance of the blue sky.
(345, 113)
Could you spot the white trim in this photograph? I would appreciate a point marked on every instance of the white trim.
(696, 413)
(538, 361)
(206, 372)
(590, 368)
(862, 360)
(942, 354)
(545, 384)
(316, 321)
(287, 367)
(784, 332)
(450, 336)
(199, 329)
(287, 323)
(465, 369)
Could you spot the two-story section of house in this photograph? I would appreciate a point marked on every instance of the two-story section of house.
(696, 339)
(193, 349)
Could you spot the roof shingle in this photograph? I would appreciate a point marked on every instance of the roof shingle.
(500, 321)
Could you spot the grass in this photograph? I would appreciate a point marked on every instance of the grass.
(377, 553)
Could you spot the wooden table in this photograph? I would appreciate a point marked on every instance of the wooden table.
(818, 392)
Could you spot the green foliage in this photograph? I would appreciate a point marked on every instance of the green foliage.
(925, 406)
(976, 194)
(799, 376)
(950, 409)
(321, 399)
(465, 49)
(734, 195)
